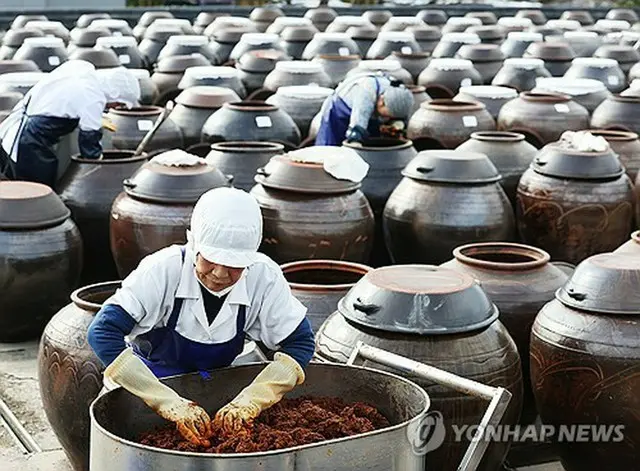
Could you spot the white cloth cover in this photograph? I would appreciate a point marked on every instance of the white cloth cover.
(178, 158)
(339, 162)
(583, 141)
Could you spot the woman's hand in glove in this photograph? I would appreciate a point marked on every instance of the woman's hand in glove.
(268, 388)
(132, 374)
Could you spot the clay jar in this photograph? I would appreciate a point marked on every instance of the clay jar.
(508, 151)
(386, 158)
(321, 17)
(148, 89)
(447, 198)
(337, 67)
(626, 56)
(586, 92)
(290, 73)
(626, 145)
(69, 373)
(518, 41)
(330, 43)
(542, 117)
(618, 113)
(309, 214)
(492, 97)
(125, 47)
(154, 39)
(251, 121)
(154, 210)
(88, 188)
(419, 96)
(520, 74)
(450, 43)
(427, 36)
(242, 159)
(216, 76)
(632, 246)
(11, 66)
(574, 204)
(133, 124)
(387, 67)
(296, 38)
(184, 45)
(100, 58)
(393, 41)
(254, 66)
(519, 279)
(598, 68)
(48, 52)
(40, 258)
(443, 77)
(253, 41)
(14, 38)
(321, 284)
(169, 72)
(584, 361)
(447, 123)
(409, 310)
(583, 43)
(557, 56)
(194, 106)
(413, 63)
(488, 34)
(301, 102)
(487, 59)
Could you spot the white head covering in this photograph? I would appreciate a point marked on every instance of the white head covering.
(120, 86)
(226, 227)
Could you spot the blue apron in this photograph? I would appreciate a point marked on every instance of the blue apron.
(335, 122)
(167, 353)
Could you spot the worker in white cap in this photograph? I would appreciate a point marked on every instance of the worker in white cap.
(74, 95)
(188, 308)
(361, 106)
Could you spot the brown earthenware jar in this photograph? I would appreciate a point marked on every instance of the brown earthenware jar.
(414, 63)
(100, 58)
(491, 96)
(620, 113)
(487, 59)
(14, 38)
(89, 188)
(154, 210)
(48, 52)
(69, 373)
(254, 66)
(509, 152)
(520, 74)
(321, 284)
(321, 17)
(489, 34)
(301, 102)
(419, 97)
(626, 56)
(586, 92)
(309, 214)
(446, 123)
(626, 145)
(632, 246)
(133, 124)
(386, 158)
(389, 42)
(557, 56)
(575, 204)
(169, 72)
(430, 213)
(519, 279)
(585, 362)
(291, 73)
(440, 317)
(542, 117)
(40, 258)
(443, 77)
(336, 66)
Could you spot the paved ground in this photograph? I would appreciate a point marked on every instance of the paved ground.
(19, 390)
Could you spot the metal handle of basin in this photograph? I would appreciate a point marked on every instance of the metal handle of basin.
(499, 397)
(366, 308)
(425, 169)
(263, 172)
(128, 183)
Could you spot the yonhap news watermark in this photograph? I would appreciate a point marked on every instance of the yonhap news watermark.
(430, 433)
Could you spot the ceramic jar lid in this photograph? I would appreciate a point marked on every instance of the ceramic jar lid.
(452, 166)
(15, 37)
(418, 299)
(174, 177)
(27, 205)
(178, 64)
(206, 96)
(9, 66)
(605, 283)
(302, 171)
(260, 60)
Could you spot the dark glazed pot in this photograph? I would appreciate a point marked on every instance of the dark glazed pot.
(406, 320)
(12, 66)
(100, 58)
(450, 44)
(302, 103)
(125, 48)
(585, 362)
(518, 41)
(413, 63)
(443, 77)
(321, 284)
(194, 106)
(393, 41)
(14, 38)
(48, 52)
(88, 188)
(308, 214)
(624, 14)
(586, 92)
(606, 70)
(330, 43)
(148, 89)
(154, 210)
(582, 16)
(433, 17)
(242, 159)
(391, 68)
(520, 74)
(626, 56)
(557, 56)
(537, 17)
(254, 66)
(487, 59)
(296, 38)
(213, 76)
(626, 145)
(169, 72)
(154, 40)
(296, 73)
(133, 125)
(508, 151)
(251, 121)
(447, 123)
(491, 96)
(337, 67)
(574, 204)
(321, 17)
(430, 212)
(363, 36)
(620, 113)
(489, 34)
(40, 258)
(69, 373)
(386, 158)
(183, 45)
(520, 280)
(542, 117)
(632, 246)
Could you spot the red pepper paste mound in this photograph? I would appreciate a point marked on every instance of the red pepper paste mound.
(289, 423)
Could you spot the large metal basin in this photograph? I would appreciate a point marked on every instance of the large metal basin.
(117, 417)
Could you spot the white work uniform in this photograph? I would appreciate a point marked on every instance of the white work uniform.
(148, 294)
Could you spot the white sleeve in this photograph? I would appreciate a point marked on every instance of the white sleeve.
(279, 312)
(90, 114)
(149, 291)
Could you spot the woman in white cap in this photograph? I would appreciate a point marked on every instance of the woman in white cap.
(360, 106)
(73, 96)
(188, 308)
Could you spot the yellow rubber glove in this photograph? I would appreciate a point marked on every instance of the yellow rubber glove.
(268, 388)
(132, 374)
